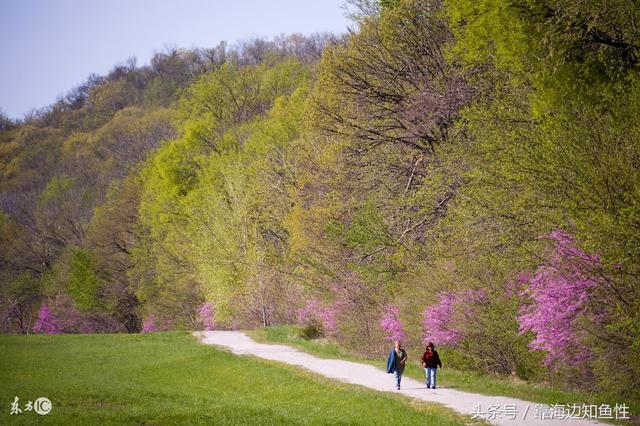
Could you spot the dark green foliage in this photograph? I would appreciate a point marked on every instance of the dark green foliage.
(311, 331)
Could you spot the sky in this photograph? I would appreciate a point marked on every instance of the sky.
(51, 46)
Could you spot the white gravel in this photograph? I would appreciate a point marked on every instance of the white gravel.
(526, 413)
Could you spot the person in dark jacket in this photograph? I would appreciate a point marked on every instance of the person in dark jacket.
(396, 362)
(431, 362)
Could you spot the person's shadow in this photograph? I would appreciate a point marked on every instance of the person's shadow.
(439, 387)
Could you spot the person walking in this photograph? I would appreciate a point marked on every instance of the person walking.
(396, 362)
(431, 361)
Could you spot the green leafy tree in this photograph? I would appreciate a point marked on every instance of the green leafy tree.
(84, 283)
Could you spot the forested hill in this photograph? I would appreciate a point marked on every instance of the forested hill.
(462, 171)
(71, 174)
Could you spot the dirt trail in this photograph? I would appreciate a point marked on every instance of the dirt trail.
(526, 413)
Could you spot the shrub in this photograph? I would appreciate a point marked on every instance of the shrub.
(206, 316)
(311, 330)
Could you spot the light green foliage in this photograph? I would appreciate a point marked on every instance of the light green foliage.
(367, 230)
(236, 212)
(214, 198)
(230, 96)
(83, 282)
(556, 119)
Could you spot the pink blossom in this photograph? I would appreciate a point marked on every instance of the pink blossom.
(328, 318)
(392, 325)
(559, 292)
(206, 316)
(153, 323)
(315, 311)
(63, 317)
(438, 320)
(46, 322)
(87, 328)
(308, 311)
(150, 324)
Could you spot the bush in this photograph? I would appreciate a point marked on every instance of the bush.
(312, 330)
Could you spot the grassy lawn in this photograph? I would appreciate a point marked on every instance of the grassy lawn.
(447, 377)
(170, 378)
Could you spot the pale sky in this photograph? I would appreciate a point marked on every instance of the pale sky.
(50, 46)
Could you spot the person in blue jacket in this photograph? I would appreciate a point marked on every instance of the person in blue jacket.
(396, 361)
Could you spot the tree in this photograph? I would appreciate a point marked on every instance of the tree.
(390, 82)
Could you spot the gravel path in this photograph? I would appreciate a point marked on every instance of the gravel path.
(508, 411)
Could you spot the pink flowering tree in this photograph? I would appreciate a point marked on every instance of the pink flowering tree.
(153, 323)
(558, 294)
(61, 316)
(437, 322)
(392, 325)
(325, 315)
(150, 324)
(442, 322)
(46, 322)
(206, 316)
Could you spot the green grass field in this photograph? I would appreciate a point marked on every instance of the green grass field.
(447, 377)
(170, 378)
